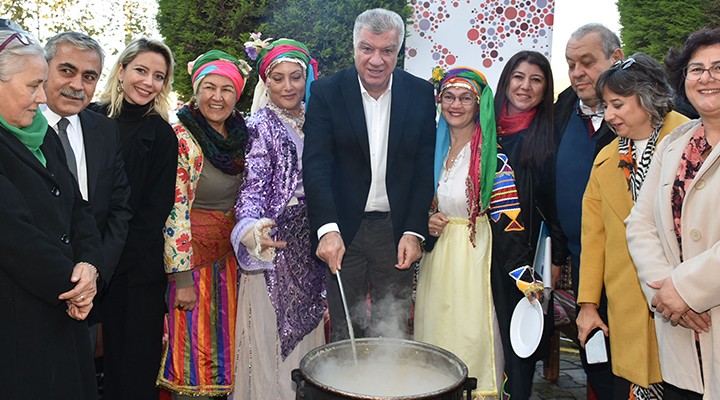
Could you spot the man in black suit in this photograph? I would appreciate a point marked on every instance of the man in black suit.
(75, 61)
(368, 173)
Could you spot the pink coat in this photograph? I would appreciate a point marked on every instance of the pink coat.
(655, 251)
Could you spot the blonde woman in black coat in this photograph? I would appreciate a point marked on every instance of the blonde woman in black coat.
(136, 98)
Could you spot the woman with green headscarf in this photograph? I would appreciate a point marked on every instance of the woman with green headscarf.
(465, 292)
(202, 291)
(280, 304)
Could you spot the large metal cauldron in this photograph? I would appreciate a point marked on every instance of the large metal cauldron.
(406, 355)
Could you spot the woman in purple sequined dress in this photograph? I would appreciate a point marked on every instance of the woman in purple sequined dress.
(280, 304)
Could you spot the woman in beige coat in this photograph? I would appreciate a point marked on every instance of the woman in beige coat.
(637, 102)
(674, 230)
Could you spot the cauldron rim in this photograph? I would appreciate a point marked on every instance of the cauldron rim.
(461, 376)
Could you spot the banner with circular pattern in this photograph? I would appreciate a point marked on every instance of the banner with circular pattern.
(482, 34)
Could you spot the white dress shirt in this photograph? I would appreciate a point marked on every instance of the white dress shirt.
(75, 136)
(377, 122)
(596, 119)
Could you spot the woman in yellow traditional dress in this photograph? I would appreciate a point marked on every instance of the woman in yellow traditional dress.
(465, 295)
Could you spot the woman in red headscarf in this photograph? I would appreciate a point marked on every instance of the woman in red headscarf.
(280, 306)
(202, 293)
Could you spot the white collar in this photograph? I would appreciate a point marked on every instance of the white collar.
(52, 118)
(364, 91)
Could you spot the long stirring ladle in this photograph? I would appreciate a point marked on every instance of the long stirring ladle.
(347, 317)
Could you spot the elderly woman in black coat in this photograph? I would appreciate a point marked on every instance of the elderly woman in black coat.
(49, 244)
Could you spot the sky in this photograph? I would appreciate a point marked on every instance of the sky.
(570, 15)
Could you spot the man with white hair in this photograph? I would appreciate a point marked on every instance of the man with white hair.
(368, 177)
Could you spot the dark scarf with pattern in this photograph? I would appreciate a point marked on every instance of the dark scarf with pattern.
(227, 155)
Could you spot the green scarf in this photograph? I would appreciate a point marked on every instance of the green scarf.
(31, 136)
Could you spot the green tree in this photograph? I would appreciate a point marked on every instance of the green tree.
(713, 13)
(19, 11)
(136, 19)
(111, 23)
(654, 26)
(325, 26)
(45, 18)
(192, 27)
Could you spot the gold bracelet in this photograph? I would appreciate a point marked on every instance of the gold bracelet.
(532, 288)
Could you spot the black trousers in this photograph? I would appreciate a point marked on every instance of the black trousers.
(675, 393)
(369, 267)
(599, 376)
(132, 338)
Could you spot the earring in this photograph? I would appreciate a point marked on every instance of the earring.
(195, 105)
(234, 113)
(120, 88)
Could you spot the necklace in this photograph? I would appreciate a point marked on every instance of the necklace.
(295, 122)
(453, 161)
(455, 157)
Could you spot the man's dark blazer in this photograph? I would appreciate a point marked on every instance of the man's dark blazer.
(108, 188)
(336, 155)
(45, 229)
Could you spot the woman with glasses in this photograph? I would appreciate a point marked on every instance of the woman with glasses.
(638, 103)
(137, 98)
(49, 242)
(465, 294)
(673, 232)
